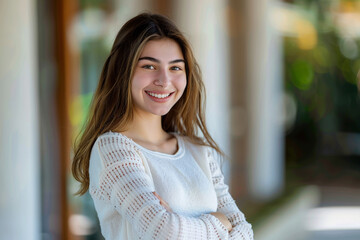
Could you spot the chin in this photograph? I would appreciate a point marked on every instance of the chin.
(161, 112)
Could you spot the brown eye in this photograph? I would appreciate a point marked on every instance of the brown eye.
(150, 67)
(176, 68)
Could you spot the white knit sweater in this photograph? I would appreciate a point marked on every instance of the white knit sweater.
(124, 175)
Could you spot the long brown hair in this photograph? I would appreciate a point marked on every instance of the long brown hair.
(111, 107)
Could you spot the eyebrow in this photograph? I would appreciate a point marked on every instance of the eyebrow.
(158, 61)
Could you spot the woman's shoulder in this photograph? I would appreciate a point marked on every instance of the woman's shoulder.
(114, 144)
(111, 147)
(114, 139)
(113, 135)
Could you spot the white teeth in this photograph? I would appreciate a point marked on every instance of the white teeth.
(158, 95)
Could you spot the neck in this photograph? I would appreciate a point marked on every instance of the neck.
(146, 129)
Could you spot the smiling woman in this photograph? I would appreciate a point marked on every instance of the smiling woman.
(159, 78)
(149, 173)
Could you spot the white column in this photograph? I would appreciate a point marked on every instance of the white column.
(204, 23)
(19, 145)
(264, 57)
(127, 9)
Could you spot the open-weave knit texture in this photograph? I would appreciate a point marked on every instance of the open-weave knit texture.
(122, 182)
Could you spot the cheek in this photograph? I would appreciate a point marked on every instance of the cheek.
(136, 89)
(138, 84)
(133, 88)
(181, 84)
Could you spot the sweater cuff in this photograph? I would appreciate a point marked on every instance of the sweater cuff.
(215, 226)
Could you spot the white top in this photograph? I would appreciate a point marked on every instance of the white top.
(124, 175)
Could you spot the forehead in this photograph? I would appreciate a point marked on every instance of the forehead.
(162, 49)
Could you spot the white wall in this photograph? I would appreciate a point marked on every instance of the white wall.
(19, 145)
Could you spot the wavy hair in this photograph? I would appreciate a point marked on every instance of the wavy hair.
(111, 106)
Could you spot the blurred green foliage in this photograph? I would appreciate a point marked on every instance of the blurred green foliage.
(323, 82)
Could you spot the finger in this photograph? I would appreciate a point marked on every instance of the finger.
(157, 195)
(163, 203)
(166, 206)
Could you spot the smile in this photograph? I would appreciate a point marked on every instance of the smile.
(159, 96)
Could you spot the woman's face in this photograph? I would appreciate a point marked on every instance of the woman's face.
(159, 78)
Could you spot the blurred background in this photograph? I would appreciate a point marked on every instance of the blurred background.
(282, 81)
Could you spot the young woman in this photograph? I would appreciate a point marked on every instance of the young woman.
(148, 172)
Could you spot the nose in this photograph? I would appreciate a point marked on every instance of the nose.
(162, 79)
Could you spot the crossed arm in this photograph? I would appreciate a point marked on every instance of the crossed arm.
(222, 218)
(125, 184)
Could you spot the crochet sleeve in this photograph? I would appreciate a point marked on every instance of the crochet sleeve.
(226, 204)
(125, 184)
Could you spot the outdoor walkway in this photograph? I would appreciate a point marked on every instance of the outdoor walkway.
(338, 215)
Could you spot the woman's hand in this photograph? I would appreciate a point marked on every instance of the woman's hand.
(223, 219)
(163, 203)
